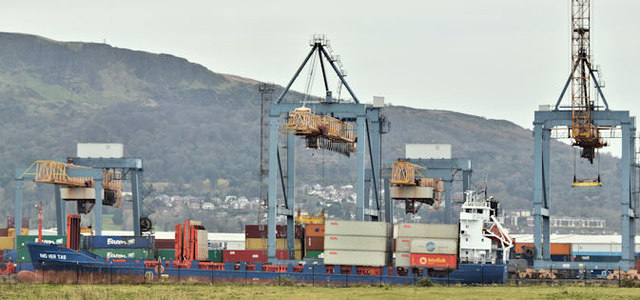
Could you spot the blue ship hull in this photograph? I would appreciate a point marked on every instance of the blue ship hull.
(47, 257)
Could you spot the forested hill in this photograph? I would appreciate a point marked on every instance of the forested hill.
(193, 127)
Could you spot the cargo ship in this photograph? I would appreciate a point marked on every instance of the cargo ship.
(472, 252)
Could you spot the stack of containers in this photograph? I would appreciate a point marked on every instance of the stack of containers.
(120, 247)
(165, 249)
(426, 245)
(313, 240)
(23, 253)
(357, 243)
(256, 238)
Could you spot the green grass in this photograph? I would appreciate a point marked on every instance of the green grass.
(186, 291)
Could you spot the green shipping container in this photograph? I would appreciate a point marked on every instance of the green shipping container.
(313, 253)
(215, 256)
(167, 254)
(124, 253)
(49, 239)
(23, 255)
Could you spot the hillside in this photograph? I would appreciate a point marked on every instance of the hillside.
(194, 127)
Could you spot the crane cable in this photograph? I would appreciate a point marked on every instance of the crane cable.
(310, 77)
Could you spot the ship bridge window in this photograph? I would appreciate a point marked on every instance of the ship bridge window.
(479, 211)
(468, 210)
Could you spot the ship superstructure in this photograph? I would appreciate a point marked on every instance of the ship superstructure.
(482, 235)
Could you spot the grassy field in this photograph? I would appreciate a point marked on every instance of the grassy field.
(179, 292)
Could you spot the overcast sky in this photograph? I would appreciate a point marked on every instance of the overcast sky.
(494, 58)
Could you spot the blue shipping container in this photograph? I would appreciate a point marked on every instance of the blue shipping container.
(117, 242)
(10, 255)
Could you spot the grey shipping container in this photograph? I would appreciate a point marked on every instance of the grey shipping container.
(443, 231)
(357, 258)
(359, 228)
(350, 242)
(403, 259)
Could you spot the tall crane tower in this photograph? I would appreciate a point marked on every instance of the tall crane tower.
(584, 133)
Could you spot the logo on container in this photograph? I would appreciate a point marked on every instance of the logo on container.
(431, 246)
(120, 255)
(111, 241)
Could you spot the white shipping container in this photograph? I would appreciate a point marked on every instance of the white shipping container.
(357, 258)
(403, 244)
(446, 231)
(403, 259)
(217, 245)
(428, 151)
(350, 242)
(235, 245)
(100, 150)
(359, 228)
(596, 249)
(434, 246)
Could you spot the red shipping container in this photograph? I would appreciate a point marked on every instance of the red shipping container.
(259, 256)
(434, 260)
(261, 231)
(165, 243)
(4, 231)
(314, 243)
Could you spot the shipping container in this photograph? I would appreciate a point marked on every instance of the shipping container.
(167, 254)
(434, 260)
(428, 151)
(357, 258)
(215, 256)
(165, 243)
(7, 243)
(358, 228)
(23, 255)
(100, 150)
(556, 248)
(598, 258)
(119, 253)
(351, 242)
(117, 242)
(261, 231)
(314, 230)
(440, 231)
(11, 232)
(313, 253)
(235, 245)
(434, 246)
(48, 239)
(4, 232)
(203, 245)
(314, 243)
(598, 249)
(403, 259)
(217, 245)
(250, 255)
(403, 244)
(10, 255)
(261, 244)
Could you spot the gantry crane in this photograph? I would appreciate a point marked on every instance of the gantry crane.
(584, 119)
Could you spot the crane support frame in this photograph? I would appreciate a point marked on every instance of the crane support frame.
(91, 168)
(544, 122)
(370, 124)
